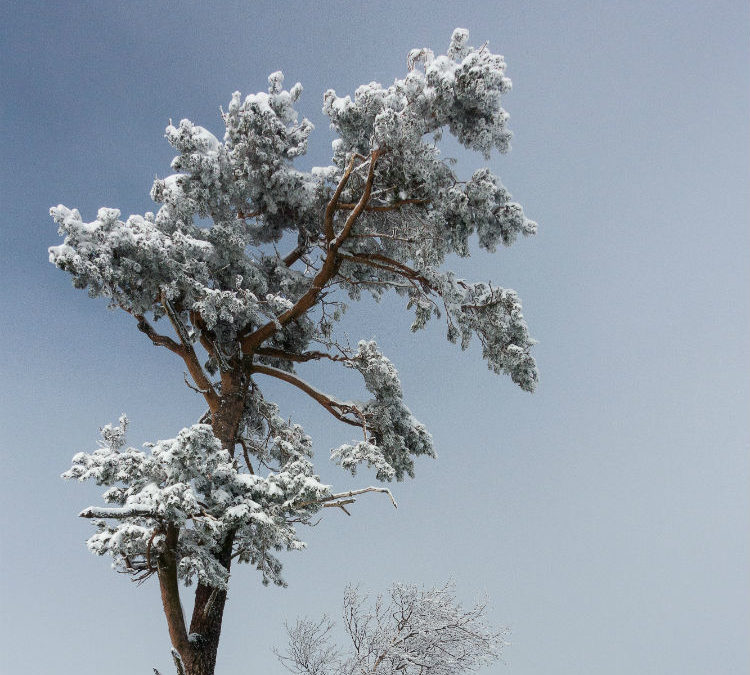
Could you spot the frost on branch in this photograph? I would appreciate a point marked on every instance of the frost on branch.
(394, 436)
(410, 631)
(191, 483)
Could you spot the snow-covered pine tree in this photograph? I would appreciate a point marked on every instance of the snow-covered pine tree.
(383, 216)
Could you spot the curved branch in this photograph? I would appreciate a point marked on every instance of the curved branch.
(389, 264)
(337, 408)
(362, 203)
(148, 330)
(331, 206)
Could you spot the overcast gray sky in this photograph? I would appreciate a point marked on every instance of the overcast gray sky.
(605, 516)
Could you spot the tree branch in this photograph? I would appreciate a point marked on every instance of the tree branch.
(246, 455)
(395, 206)
(331, 206)
(119, 513)
(148, 330)
(362, 203)
(197, 320)
(294, 255)
(336, 408)
(170, 593)
(298, 358)
(191, 359)
(346, 497)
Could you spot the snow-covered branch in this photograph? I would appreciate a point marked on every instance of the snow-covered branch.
(131, 511)
(342, 498)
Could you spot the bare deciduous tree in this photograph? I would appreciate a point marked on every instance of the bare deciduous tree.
(409, 631)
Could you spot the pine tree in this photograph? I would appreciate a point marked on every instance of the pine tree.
(235, 486)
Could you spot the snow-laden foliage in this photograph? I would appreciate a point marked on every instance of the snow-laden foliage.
(409, 631)
(243, 272)
(191, 483)
(392, 435)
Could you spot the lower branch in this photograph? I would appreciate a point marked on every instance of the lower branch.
(346, 497)
(170, 595)
(119, 513)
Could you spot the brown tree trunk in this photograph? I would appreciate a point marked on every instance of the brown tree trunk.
(170, 594)
(205, 626)
(199, 647)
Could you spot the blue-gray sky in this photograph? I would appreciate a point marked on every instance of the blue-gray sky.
(606, 516)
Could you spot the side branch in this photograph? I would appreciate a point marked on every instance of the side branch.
(361, 491)
(387, 264)
(298, 358)
(361, 204)
(338, 409)
(341, 498)
(119, 513)
(197, 320)
(148, 330)
(191, 359)
(331, 207)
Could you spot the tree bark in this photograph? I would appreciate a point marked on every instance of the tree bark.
(170, 593)
(205, 625)
(199, 647)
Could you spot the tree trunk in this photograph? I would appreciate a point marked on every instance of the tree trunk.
(199, 647)
(205, 626)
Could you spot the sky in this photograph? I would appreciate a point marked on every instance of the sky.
(605, 517)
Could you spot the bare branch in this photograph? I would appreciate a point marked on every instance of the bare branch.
(246, 455)
(337, 408)
(193, 387)
(361, 491)
(362, 203)
(341, 505)
(191, 359)
(159, 340)
(294, 255)
(331, 207)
